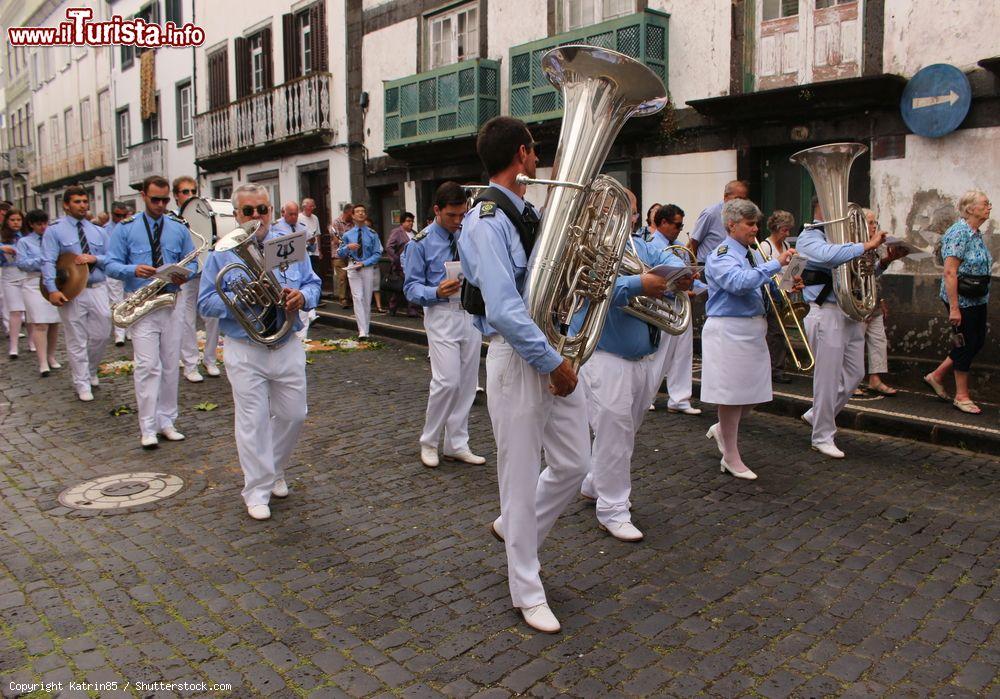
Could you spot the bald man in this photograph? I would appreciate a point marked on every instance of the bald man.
(709, 232)
(291, 222)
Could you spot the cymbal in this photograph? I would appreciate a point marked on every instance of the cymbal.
(71, 278)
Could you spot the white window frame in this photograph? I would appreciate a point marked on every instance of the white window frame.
(781, 10)
(452, 36)
(304, 30)
(54, 131)
(86, 120)
(584, 13)
(69, 114)
(123, 130)
(185, 127)
(256, 63)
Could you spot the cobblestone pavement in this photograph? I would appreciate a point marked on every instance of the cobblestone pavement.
(876, 575)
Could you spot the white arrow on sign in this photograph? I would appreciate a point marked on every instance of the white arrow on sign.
(920, 102)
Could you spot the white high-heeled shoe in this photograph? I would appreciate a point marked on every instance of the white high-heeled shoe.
(745, 475)
(713, 433)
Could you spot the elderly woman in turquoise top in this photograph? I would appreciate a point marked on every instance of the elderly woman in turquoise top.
(965, 293)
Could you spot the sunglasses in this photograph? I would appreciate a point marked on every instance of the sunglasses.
(160, 200)
(261, 209)
(187, 191)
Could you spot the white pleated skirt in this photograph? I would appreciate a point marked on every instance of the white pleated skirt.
(736, 368)
(13, 292)
(37, 308)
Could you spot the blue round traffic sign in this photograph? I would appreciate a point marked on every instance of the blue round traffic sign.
(936, 100)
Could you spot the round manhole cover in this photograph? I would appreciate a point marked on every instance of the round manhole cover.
(120, 491)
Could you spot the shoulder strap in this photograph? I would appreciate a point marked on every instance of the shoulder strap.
(526, 235)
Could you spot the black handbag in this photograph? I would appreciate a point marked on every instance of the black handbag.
(392, 282)
(973, 286)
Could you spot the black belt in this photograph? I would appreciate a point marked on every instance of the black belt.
(812, 277)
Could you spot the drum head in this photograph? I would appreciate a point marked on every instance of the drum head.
(209, 218)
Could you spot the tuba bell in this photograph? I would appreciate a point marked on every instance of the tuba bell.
(586, 220)
(671, 314)
(256, 293)
(829, 167)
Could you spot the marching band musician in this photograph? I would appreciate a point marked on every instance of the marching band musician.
(734, 332)
(268, 381)
(291, 222)
(530, 387)
(86, 319)
(140, 245)
(454, 343)
(185, 188)
(116, 290)
(837, 340)
(620, 379)
(362, 247)
(43, 317)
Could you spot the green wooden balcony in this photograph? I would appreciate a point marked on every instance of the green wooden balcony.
(445, 103)
(642, 36)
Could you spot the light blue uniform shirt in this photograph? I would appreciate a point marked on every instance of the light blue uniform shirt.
(61, 236)
(5, 261)
(659, 241)
(624, 334)
(423, 265)
(709, 231)
(734, 286)
(281, 226)
(299, 275)
(371, 245)
(823, 256)
(130, 247)
(494, 260)
(29, 253)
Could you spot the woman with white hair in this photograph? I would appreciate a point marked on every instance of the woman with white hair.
(734, 333)
(965, 291)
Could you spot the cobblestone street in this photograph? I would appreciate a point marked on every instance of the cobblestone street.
(876, 575)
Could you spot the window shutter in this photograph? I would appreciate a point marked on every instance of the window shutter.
(290, 44)
(265, 45)
(173, 12)
(218, 79)
(241, 54)
(317, 36)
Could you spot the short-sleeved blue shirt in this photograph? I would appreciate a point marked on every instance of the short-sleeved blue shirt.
(967, 245)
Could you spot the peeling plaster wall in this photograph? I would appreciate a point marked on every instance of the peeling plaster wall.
(387, 54)
(699, 47)
(919, 33)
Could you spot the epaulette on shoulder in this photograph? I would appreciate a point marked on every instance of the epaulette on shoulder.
(723, 249)
(421, 235)
(487, 209)
(178, 218)
(129, 219)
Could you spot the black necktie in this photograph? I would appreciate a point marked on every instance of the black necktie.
(157, 252)
(361, 244)
(763, 294)
(454, 247)
(84, 246)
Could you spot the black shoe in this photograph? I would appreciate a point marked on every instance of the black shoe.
(13, 357)
(781, 377)
(44, 374)
(120, 343)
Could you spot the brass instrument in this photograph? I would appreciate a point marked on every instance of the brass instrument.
(787, 315)
(670, 314)
(586, 220)
(254, 287)
(151, 297)
(854, 282)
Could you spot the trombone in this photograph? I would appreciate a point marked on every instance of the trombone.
(787, 317)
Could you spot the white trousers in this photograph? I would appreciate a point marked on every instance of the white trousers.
(618, 395)
(454, 345)
(838, 343)
(86, 322)
(3, 309)
(676, 353)
(156, 346)
(269, 393)
(211, 341)
(362, 284)
(116, 294)
(187, 305)
(877, 344)
(527, 419)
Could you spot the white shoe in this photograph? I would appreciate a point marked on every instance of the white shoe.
(746, 475)
(495, 530)
(171, 434)
(212, 370)
(713, 433)
(805, 419)
(429, 456)
(541, 618)
(280, 488)
(623, 531)
(259, 511)
(686, 411)
(652, 406)
(194, 377)
(95, 380)
(466, 457)
(149, 441)
(54, 364)
(85, 396)
(829, 449)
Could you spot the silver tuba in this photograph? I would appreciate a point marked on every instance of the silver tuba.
(253, 286)
(671, 314)
(829, 167)
(586, 221)
(151, 297)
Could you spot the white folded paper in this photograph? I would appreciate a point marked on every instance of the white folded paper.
(167, 271)
(672, 273)
(914, 253)
(793, 269)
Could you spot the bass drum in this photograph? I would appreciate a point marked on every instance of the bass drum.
(211, 219)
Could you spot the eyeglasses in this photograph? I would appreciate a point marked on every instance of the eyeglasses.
(261, 209)
(160, 200)
(187, 191)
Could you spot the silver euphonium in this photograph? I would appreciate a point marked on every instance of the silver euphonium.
(672, 313)
(587, 218)
(829, 167)
(151, 297)
(254, 292)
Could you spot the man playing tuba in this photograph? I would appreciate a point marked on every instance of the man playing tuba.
(268, 380)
